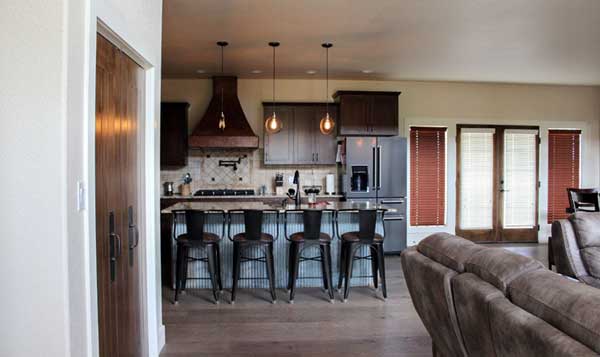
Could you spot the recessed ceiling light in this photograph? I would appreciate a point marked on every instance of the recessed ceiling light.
(200, 71)
(256, 71)
(367, 71)
(311, 71)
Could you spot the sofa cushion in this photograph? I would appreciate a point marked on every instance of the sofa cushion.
(471, 299)
(565, 248)
(499, 267)
(517, 333)
(429, 285)
(570, 306)
(587, 231)
(448, 250)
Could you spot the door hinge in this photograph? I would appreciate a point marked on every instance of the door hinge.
(538, 227)
(539, 184)
(539, 140)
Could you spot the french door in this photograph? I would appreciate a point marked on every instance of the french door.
(497, 183)
(119, 84)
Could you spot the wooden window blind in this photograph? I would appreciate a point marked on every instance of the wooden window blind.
(427, 176)
(563, 170)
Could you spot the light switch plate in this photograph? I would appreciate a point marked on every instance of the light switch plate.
(291, 180)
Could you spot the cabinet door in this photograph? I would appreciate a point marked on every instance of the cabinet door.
(173, 135)
(354, 114)
(279, 147)
(304, 135)
(326, 145)
(384, 115)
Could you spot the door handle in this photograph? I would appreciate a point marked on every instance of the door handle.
(399, 218)
(134, 234)
(374, 169)
(114, 242)
(384, 202)
(379, 167)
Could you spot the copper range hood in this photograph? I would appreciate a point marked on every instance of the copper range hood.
(237, 133)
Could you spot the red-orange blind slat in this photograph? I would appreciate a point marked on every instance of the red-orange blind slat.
(427, 176)
(563, 170)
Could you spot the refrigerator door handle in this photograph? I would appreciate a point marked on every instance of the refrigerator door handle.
(374, 169)
(400, 201)
(397, 218)
(379, 167)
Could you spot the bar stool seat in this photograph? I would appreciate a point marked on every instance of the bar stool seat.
(355, 237)
(206, 238)
(242, 237)
(299, 237)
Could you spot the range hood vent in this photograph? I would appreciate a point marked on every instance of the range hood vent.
(237, 134)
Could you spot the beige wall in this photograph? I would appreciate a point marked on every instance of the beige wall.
(437, 103)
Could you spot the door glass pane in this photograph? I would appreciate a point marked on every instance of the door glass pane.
(519, 178)
(476, 178)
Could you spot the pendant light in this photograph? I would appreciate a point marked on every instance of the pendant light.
(327, 124)
(222, 44)
(273, 124)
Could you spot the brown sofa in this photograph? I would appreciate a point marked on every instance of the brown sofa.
(576, 247)
(479, 301)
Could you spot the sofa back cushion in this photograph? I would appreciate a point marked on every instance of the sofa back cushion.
(448, 250)
(517, 333)
(570, 306)
(472, 296)
(499, 266)
(429, 285)
(587, 231)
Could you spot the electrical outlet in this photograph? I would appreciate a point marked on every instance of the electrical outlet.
(291, 180)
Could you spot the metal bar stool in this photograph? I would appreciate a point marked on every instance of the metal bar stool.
(253, 236)
(300, 241)
(353, 241)
(197, 237)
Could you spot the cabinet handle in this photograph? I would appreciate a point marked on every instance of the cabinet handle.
(317, 154)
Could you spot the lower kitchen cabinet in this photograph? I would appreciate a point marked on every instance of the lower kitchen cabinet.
(300, 142)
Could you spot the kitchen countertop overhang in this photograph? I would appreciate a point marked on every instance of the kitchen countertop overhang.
(237, 206)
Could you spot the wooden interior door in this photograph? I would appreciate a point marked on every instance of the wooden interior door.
(497, 183)
(119, 84)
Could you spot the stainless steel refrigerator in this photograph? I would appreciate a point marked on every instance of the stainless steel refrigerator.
(375, 171)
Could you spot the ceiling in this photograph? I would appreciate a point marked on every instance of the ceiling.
(516, 41)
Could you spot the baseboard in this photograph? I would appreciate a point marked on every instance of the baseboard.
(162, 337)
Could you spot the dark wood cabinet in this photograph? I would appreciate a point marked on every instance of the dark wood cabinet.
(300, 142)
(173, 135)
(363, 113)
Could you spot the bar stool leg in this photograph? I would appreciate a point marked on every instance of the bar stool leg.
(350, 251)
(270, 272)
(218, 262)
(380, 254)
(178, 271)
(236, 269)
(342, 266)
(186, 254)
(326, 255)
(210, 254)
(290, 265)
(374, 265)
(297, 248)
(323, 267)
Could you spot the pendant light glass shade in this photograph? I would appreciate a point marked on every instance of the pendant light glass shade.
(273, 124)
(221, 124)
(327, 123)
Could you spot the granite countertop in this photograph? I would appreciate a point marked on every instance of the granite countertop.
(232, 206)
(268, 195)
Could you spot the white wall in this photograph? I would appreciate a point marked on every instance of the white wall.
(437, 103)
(47, 260)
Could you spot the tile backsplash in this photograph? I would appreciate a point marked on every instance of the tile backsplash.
(250, 172)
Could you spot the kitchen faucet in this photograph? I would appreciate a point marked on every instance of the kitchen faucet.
(297, 183)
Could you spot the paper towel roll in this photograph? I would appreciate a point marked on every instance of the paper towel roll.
(330, 184)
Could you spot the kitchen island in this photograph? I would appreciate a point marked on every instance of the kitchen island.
(254, 274)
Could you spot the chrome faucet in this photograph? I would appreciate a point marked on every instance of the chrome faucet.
(297, 183)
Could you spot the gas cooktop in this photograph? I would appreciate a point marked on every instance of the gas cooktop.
(224, 192)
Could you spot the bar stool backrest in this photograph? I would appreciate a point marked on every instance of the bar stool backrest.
(194, 221)
(253, 220)
(312, 224)
(367, 220)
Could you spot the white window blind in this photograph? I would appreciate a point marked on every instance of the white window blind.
(519, 178)
(476, 178)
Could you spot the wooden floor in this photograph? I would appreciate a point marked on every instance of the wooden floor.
(364, 326)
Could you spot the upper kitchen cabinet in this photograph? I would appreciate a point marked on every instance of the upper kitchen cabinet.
(173, 135)
(363, 113)
(300, 142)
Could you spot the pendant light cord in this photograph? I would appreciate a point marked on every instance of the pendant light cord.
(327, 80)
(273, 79)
